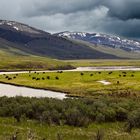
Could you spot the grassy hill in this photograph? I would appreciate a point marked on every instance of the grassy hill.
(13, 58)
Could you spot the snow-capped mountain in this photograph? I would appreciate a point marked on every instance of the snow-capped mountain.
(19, 27)
(19, 32)
(103, 39)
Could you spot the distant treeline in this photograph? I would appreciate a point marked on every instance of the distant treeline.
(74, 112)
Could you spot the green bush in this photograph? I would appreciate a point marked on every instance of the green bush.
(75, 118)
(134, 118)
(100, 118)
(75, 112)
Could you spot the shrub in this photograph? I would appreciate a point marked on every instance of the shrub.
(121, 114)
(100, 118)
(75, 112)
(110, 115)
(134, 118)
(75, 118)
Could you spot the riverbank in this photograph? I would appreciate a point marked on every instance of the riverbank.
(101, 68)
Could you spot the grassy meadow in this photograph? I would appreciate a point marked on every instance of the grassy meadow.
(16, 62)
(32, 129)
(80, 83)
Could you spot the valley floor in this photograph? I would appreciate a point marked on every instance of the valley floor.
(119, 99)
(85, 84)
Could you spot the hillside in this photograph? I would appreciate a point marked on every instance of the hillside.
(37, 42)
(13, 59)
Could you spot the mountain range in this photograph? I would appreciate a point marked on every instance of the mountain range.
(104, 40)
(27, 40)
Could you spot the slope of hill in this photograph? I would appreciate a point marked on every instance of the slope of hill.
(13, 59)
(118, 52)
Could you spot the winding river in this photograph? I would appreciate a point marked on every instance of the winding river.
(12, 91)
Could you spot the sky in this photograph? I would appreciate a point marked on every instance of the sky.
(117, 17)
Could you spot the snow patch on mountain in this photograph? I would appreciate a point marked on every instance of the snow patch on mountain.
(18, 26)
(72, 34)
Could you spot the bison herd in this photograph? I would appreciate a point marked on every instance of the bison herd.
(37, 76)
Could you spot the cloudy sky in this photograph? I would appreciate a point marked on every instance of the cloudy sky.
(119, 17)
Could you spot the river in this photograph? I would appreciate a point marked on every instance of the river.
(12, 91)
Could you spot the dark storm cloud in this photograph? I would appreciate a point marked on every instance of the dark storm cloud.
(124, 9)
(121, 17)
(51, 7)
(129, 28)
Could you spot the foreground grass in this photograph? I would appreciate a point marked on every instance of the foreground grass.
(81, 84)
(29, 128)
(104, 114)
